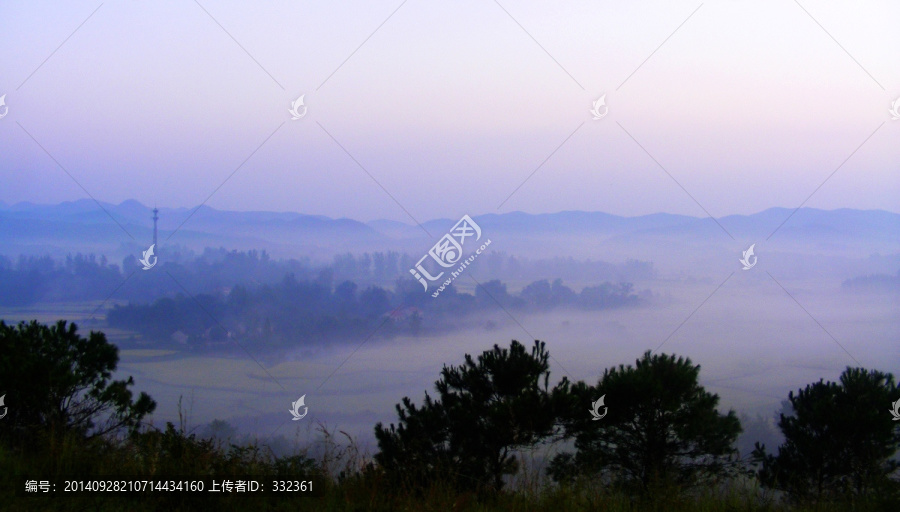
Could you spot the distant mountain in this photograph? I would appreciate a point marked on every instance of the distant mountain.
(782, 224)
(85, 226)
(805, 242)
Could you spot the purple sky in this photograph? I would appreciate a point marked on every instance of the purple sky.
(451, 106)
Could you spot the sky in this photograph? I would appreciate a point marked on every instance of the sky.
(420, 110)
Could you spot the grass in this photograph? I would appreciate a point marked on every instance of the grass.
(348, 481)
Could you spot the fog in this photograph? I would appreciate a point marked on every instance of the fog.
(753, 341)
(821, 295)
(334, 203)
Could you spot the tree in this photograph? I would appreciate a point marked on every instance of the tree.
(539, 294)
(487, 408)
(491, 292)
(661, 426)
(56, 380)
(375, 302)
(839, 439)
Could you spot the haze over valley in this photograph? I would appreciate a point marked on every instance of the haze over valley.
(303, 295)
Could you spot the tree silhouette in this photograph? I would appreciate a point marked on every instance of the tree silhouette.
(839, 439)
(56, 380)
(486, 409)
(661, 427)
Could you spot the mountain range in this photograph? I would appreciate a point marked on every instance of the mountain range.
(115, 230)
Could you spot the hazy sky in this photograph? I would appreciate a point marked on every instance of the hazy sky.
(450, 106)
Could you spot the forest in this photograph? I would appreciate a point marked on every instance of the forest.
(655, 439)
(199, 301)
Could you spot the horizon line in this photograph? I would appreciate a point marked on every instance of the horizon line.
(6, 206)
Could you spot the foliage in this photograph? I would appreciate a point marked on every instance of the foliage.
(33, 279)
(485, 410)
(458, 448)
(317, 311)
(661, 428)
(839, 439)
(58, 381)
